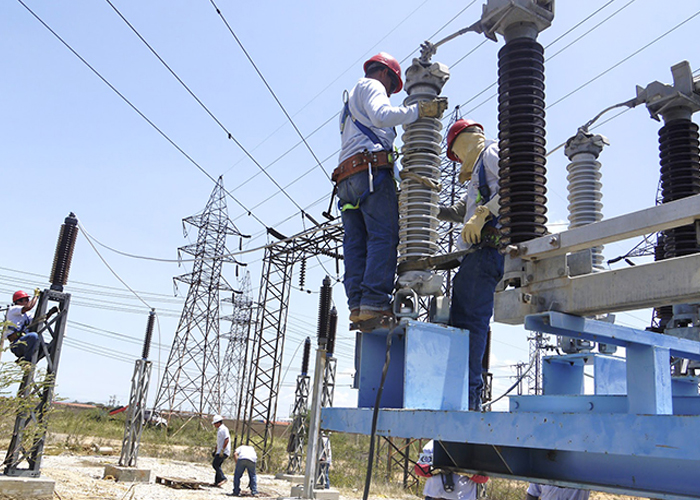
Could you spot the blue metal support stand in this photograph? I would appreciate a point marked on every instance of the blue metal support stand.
(635, 435)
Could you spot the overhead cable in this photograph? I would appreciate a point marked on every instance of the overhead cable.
(137, 110)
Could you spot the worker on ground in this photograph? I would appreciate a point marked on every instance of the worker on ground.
(481, 269)
(23, 343)
(548, 492)
(445, 485)
(245, 458)
(365, 184)
(223, 449)
(324, 462)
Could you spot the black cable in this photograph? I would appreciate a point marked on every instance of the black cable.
(624, 60)
(272, 92)
(375, 414)
(228, 133)
(138, 111)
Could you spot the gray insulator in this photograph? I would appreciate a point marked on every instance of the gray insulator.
(418, 204)
(585, 206)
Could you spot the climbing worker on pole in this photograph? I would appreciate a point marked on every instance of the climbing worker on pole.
(23, 343)
(481, 269)
(364, 181)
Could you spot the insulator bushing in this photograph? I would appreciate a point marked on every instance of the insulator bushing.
(324, 307)
(585, 188)
(679, 149)
(305, 357)
(63, 255)
(302, 273)
(418, 203)
(149, 334)
(521, 140)
(332, 327)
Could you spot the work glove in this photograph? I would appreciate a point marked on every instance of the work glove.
(433, 108)
(471, 232)
(37, 291)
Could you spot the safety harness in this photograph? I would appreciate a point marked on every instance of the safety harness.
(490, 235)
(381, 174)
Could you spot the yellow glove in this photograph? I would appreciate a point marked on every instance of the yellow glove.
(37, 291)
(471, 232)
(432, 109)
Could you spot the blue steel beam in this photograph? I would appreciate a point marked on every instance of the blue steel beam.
(599, 331)
(645, 455)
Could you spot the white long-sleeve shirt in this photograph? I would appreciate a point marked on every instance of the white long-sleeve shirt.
(488, 160)
(464, 488)
(369, 104)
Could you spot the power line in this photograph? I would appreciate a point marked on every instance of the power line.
(624, 59)
(137, 110)
(199, 101)
(272, 92)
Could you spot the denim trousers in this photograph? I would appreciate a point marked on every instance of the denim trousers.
(324, 480)
(243, 465)
(26, 346)
(371, 237)
(472, 307)
(216, 463)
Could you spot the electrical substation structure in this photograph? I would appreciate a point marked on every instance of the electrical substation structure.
(136, 412)
(261, 395)
(298, 434)
(630, 431)
(191, 382)
(235, 367)
(31, 424)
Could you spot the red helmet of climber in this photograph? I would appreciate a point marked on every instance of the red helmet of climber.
(19, 295)
(391, 63)
(456, 129)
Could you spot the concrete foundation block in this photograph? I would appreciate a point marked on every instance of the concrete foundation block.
(292, 478)
(128, 474)
(39, 488)
(331, 494)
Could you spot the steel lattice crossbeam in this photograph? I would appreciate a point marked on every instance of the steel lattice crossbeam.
(268, 340)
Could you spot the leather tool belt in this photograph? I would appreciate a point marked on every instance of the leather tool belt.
(361, 162)
(13, 336)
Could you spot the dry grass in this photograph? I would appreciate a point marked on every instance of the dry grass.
(80, 432)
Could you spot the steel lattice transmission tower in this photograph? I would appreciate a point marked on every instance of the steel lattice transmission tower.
(235, 364)
(191, 383)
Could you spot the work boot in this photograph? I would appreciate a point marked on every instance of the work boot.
(355, 315)
(371, 314)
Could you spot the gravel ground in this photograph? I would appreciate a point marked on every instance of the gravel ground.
(80, 478)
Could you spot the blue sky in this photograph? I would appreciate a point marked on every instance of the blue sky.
(68, 142)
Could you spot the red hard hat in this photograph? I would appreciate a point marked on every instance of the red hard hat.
(391, 63)
(457, 129)
(19, 294)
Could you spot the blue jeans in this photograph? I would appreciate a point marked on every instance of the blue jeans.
(216, 463)
(243, 465)
(371, 236)
(323, 476)
(25, 346)
(472, 308)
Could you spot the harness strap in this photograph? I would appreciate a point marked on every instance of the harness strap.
(484, 189)
(361, 126)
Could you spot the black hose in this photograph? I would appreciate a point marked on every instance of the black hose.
(375, 415)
